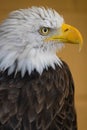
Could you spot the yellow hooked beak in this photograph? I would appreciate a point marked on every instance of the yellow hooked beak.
(67, 34)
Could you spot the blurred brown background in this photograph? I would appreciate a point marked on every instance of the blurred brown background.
(75, 13)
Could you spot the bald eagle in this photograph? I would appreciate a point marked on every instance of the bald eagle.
(36, 86)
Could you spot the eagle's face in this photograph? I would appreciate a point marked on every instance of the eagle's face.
(29, 39)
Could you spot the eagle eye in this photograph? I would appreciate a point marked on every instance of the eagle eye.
(44, 31)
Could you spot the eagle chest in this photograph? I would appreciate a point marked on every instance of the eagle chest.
(35, 98)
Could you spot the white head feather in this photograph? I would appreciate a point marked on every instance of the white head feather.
(22, 47)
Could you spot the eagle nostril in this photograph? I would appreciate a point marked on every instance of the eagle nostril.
(66, 30)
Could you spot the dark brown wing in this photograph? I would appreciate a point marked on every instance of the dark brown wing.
(66, 119)
(38, 102)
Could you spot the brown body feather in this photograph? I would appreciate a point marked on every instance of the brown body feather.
(38, 102)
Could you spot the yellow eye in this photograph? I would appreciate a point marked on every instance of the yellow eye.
(44, 31)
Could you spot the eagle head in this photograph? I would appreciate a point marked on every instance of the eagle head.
(29, 39)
